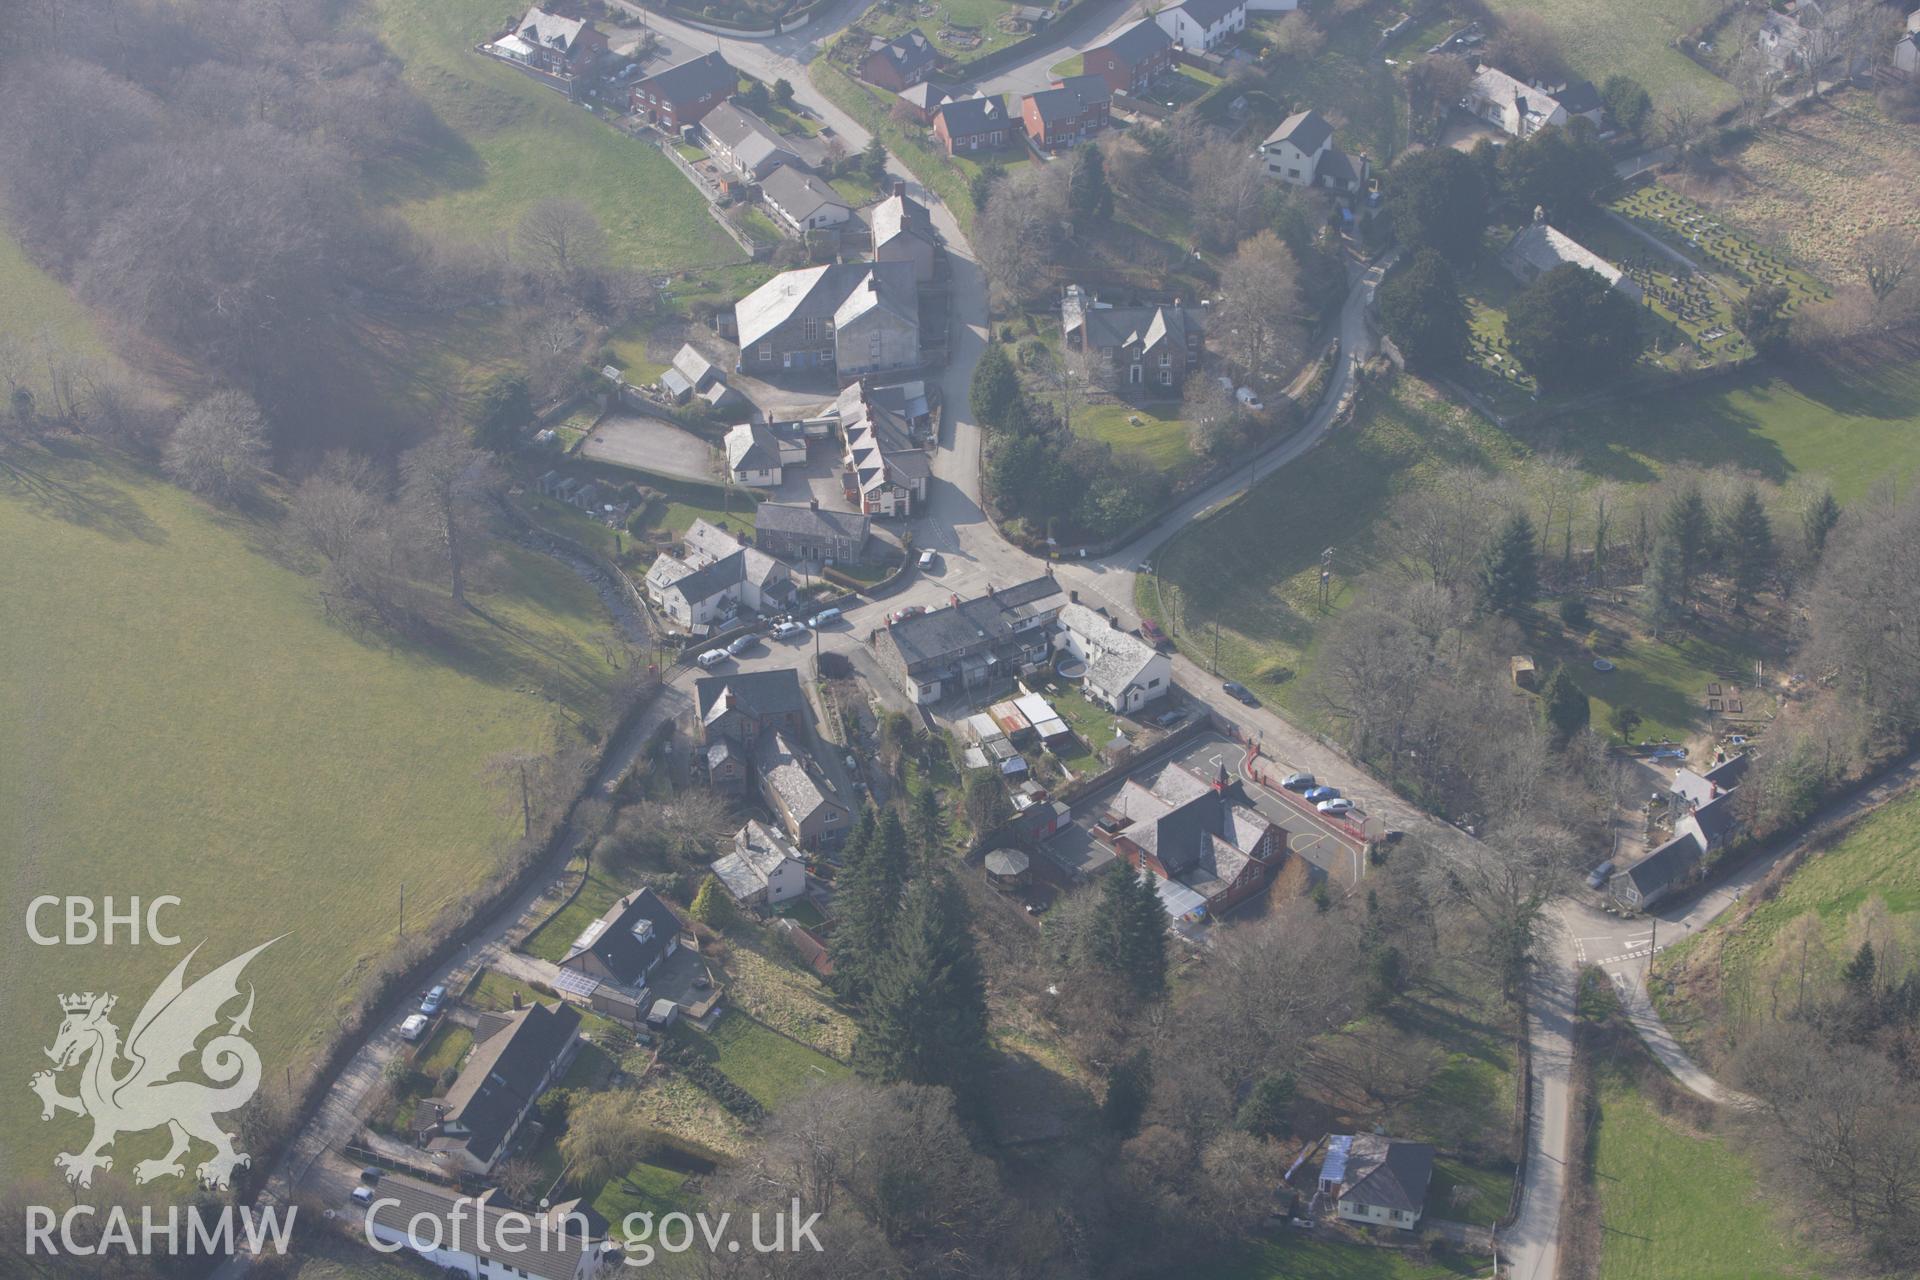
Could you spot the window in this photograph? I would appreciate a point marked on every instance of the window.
(1166, 359)
(1166, 377)
(1154, 683)
(812, 326)
(766, 352)
(873, 344)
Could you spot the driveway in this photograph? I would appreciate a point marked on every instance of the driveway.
(651, 444)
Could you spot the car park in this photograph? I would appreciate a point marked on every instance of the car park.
(1322, 793)
(1235, 689)
(712, 658)
(1339, 804)
(743, 644)
(431, 1002)
(1297, 781)
(414, 1027)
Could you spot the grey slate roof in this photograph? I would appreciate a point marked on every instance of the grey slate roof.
(692, 366)
(818, 292)
(756, 694)
(751, 140)
(941, 635)
(906, 53)
(1717, 818)
(900, 214)
(1148, 326)
(511, 1054)
(694, 78)
(613, 941)
(926, 95)
(1114, 657)
(785, 772)
(550, 30)
(1387, 1173)
(1727, 774)
(1071, 97)
(1307, 130)
(801, 194)
(1665, 866)
(1579, 98)
(752, 446)
(1139, 42)
(758, 851)
(815, 522)
(974, 115)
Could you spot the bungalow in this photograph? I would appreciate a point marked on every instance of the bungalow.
(1070, 113)
(1301, 152)
(1132, 59)
(887, 469)
(1202, 24)
(1515, 108)
(472, 1236)
(556, 45)
(716, 576)
(900, 62)
(806, 533)
(801, 202)
(903, 231)
(1377, 1181)
(515, 1058)
(763, 870)
(970, 644)
(1124, 672)
(1538, 248)
(922, 100)
(1148, 346)
(813, 819)
(1207, 848)
(758, 453)
(745, 143)
(854, 317)
(972, 124)
(625, 944)
(683, 94)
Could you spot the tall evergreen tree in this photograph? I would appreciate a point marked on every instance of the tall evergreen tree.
(1422, 311)
(1127, 935)
(867, 902)
(995, 387)
(1089, 198)
(925, 1019)
(1268, 1110)
(1564, 706)
(1129, 1086)
(1817, 523)
(1749, 547)
(930, 826)
(1510, 577)
(1661, 593)
(1687, 527)
(1859, 971)
(505, 407)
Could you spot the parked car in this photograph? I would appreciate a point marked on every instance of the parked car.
(1598, 877)
(361, 1195)
(743, 644)
(1322, 793)
(927, 558)
(1235, 689)
(826, 617)
(787, 630)
(1168, 719)
(371, 1173)
(414, 1027)
(431, 1002)
(1150, 632)
(712, 658)
(1339, 804)
(911, 611)
(1298, 781)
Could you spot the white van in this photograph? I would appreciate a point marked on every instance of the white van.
(712, 658)
(926, 558)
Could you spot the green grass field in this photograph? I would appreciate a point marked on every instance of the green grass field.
(1253, 567)
(1294, 1257)
(38, 304)
(1161, 437)
(1677, 1204)
(194, 726)
(1487, 1192)
(513, 142)
(1632, 37)
(765, 1063)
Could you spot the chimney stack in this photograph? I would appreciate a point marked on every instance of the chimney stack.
(516, 1000)
(900, 188)
(1220, 780)
(813, 503)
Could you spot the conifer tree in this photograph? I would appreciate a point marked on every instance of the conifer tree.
(925, 1018)
(1510, 578)
(930, 828)
(710, 905)
(1818, 522)
(1686, 526)
(1564, 706)
(1268, 1110)
(1129, 1085)
(1661, 592)
(865, 912)
(1127, 935)
(1749, 547)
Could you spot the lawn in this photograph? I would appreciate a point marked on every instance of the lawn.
(1346, 82)
(1485, 1192)
(681, 502)
(1630, 37)
(38, 304)
(1295, 1257)
(449, 1045)
(629, 344)
(512, 142)
(911, 145)
(1160, 438)
(552, 940)
(979, 16)
(559, 517)
(765, 1063)
(195, 723)
(645, 1188)
(1680, 1204)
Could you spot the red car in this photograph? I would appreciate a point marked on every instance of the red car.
(1154, 636)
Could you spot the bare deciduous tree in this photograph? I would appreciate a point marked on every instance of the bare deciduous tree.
(1261, 314)
(219, 450)
(562, 238)
(447, 480)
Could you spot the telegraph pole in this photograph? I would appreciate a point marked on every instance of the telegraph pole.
(1326, 575)
(403, 908)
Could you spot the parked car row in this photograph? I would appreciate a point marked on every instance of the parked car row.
(1325, 799)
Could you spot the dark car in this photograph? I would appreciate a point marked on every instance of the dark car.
(371, 1173)
(1598, 877)
(1235, 689)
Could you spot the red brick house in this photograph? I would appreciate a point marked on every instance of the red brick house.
(1130, 61)
(683, 94)
(557, 45)
(1070, 113)
(898, 63)
(1208, 850)
(922, 100)
(972, 124)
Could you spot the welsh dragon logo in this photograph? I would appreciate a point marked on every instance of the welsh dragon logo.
(145, 1093)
